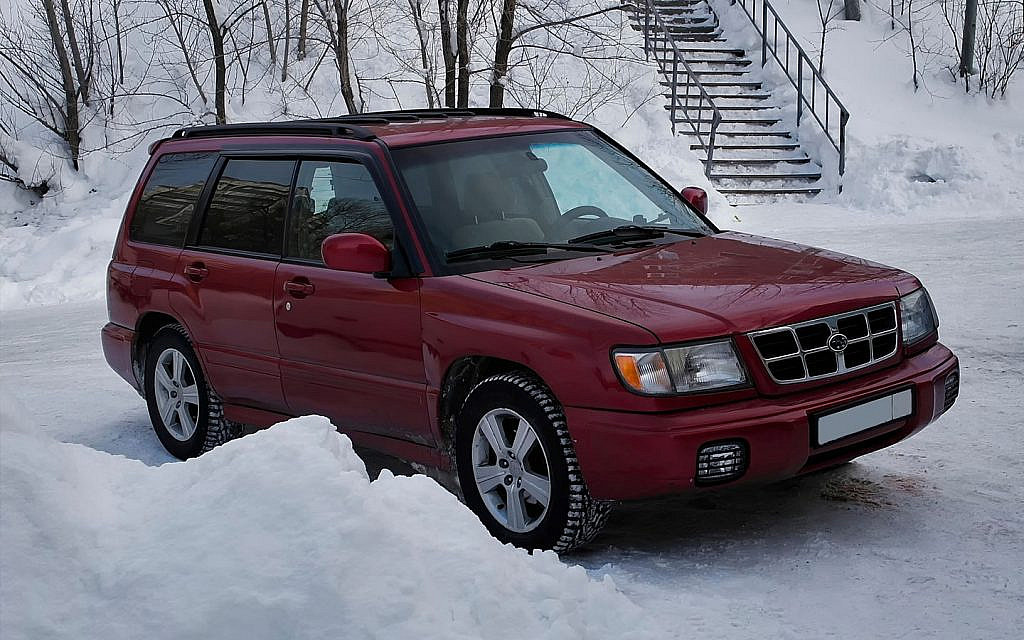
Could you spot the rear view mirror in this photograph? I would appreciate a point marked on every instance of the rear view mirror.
(696, 197)
(356, 252)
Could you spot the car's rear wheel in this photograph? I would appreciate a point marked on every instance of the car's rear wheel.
(518, 469)
(185, 412)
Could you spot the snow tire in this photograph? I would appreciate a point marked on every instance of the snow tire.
(573, 517)
(212, 428)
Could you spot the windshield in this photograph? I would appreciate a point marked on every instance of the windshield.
(539, 188)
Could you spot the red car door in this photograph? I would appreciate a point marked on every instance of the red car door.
(226, 276)
(350, 343)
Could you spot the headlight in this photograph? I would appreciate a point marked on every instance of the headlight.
(918, 316)
(704, 366)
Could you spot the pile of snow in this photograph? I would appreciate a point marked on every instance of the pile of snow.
(277, 535)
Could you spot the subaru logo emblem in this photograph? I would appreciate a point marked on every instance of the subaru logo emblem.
(838, 342)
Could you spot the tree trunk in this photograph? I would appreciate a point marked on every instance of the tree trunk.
(462, 42)
(287, 39)
(76, 52)
(416, 8)
(72, 134)
(502, 49)
(220, 65)
(341, 52)
(303, 27)
(851, 10)
(270, 34)
(447, 52)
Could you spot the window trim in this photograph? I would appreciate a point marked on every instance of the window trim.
(196, 206)
(402, 265)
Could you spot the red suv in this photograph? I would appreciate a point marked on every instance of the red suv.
(509, 295)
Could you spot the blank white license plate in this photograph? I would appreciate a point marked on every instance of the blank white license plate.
(864, 416)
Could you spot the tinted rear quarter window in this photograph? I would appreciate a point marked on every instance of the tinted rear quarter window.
(247, 210)
(169, 198)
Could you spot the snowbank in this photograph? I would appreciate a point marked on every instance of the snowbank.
(277, 535)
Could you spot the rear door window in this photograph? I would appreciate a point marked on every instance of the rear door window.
(169, 198)
(335, 197)
(247, 210)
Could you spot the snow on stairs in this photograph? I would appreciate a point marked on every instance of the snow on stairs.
(757, 154)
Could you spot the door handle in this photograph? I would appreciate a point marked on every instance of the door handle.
(299, 288)
(196, 271)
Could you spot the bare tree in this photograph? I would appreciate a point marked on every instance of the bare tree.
(219, 62)
(448, 52)
(336, 21)
(462, 47)
(827, 14)
(303, 27)
(287, 39)
(423, 37)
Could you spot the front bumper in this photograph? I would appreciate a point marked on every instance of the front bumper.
(637, 455)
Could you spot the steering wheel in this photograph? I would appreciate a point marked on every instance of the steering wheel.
(585, 210)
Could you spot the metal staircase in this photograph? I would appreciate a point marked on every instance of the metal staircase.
(744, 132)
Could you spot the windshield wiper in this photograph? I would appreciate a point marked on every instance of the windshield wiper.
(508, 248)
(630, 232)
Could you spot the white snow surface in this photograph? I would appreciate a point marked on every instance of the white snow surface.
(279, 535)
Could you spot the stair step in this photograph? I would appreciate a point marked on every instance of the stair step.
(728, 119)
(736, 134)
(732, 52)
(765, 176)
(728, 63)
(748, 161)
(727, 83)
(766, 146)
(721, 107)
(769, 191)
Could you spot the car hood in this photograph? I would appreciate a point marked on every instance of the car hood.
(712, 286)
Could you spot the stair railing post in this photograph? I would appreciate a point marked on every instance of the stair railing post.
(843, 117)
(764, 33)
(675, 85)
(799, 89)
(647, 31)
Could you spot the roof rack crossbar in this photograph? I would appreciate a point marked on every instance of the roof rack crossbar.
(414, 114)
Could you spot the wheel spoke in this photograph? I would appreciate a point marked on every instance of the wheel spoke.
(163, 379)
(488, 477)
(493, 432)
(525, 437)
(516, 510)
(176, 366)
(188, 425)
(167, 412)
(190, 395)
(537, 486)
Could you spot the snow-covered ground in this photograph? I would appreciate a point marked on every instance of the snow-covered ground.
(925, 539)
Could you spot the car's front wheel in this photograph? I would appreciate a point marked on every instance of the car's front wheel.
(518, 469)
(185, 412)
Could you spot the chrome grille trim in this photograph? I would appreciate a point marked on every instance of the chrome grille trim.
(831, 323)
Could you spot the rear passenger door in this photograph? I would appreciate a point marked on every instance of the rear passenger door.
(227, 279)
(350, 345)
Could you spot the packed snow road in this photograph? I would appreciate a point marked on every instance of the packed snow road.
(925, 539)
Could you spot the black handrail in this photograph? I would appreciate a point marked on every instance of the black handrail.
(802, 60)
(652, 25)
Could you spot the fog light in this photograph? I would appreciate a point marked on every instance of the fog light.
(952, 389)
(721, 461)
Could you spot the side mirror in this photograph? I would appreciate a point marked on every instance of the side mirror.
(697, 197)
(355, 252)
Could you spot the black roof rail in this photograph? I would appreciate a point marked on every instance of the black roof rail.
(288, 127)
(407, 115)
(353, 125)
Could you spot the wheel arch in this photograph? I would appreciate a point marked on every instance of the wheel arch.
(146, 327)
(462, 375)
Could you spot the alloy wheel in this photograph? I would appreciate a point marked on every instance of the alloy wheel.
(511, 470)
(177, 394)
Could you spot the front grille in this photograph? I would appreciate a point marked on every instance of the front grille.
(815, 349)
